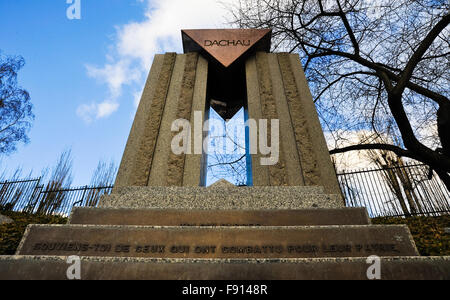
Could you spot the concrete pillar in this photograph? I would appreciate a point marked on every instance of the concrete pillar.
(277, 89)
(175, 89)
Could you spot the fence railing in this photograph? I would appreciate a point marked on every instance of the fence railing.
(396, 191)
(33, 197)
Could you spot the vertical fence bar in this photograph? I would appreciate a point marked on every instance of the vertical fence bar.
(363, 188)
(369, 188)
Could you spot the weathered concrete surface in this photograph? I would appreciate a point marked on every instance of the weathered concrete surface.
(218, 242)
(277, 173)
(272, 197)
(290, 65)
(160, 164)
(137, 158)
(260, 172)
(193, 167)
(289, 146)
(169, 217)
(175, 89)
(277, 89)
(95, 268)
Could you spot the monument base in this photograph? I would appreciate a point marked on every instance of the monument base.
(108, 268)
(220, 232)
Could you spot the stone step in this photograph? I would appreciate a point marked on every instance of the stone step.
(218, 242)
(276, 197)
(175, 217)
(103, 268)
(218, 186)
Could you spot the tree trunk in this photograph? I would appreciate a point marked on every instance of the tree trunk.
(396, 189)
(443, 120)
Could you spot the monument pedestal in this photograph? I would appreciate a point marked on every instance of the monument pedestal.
(113, 268)
(228, 239)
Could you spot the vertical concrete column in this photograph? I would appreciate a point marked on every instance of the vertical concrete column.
(193, 167)
(277, 89)
(138, 155)
(269, 109)
(315, 161)
(266, 102)
(173, 91)
(260, 173)
(287, 138)
(160, 164)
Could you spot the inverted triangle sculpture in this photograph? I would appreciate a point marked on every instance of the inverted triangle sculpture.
(226, 45)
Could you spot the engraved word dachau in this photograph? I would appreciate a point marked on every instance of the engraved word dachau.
(226, 45)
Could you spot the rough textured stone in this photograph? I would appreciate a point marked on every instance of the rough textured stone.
(277, 89)
(5, 220)
(303, 137)
(173, 190)
(177, 87)
(176, 162)
(194, 163)
(218, 242)
(175, 92)
(139, 163)
(277, 172)
(125, 176)
(221, 183)
(221, 198)
(327, 172)
(260, 173)
(170, 217)
(97, 268)
(160, 163)
(290, 151)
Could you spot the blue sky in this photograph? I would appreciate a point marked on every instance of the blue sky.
(85, 76)
(227, 144)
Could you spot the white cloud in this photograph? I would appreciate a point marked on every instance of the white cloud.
(136, 43)
(115, 75)
(94, 111)
(348, 160)
(106, 108)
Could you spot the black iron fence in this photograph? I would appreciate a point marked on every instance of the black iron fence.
(33, 197)
(396, 191)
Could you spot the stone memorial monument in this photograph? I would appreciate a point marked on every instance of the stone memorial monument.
(162, 222)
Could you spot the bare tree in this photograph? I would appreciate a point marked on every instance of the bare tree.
(399, 181)
(60, 178)
(371, 65)
(103, 176)
(227, 154)
(15, 106)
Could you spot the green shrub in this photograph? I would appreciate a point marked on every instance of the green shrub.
(428, 233)
(11, 234)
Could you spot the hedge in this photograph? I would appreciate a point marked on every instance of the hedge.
(11, 234)
(428, 233)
